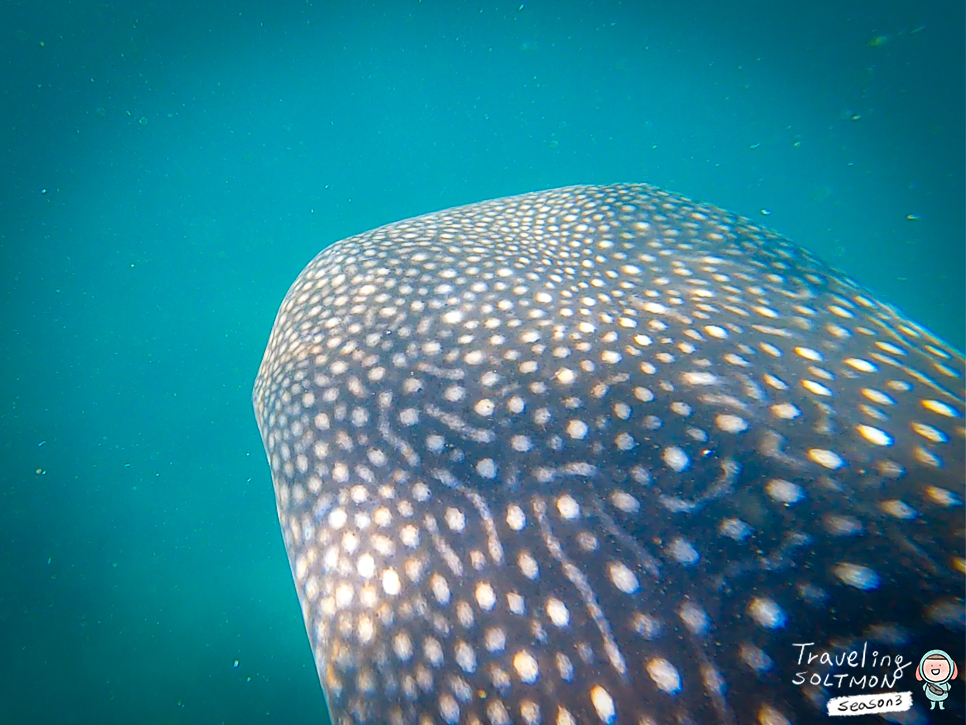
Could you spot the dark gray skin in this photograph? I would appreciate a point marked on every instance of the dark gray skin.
(607, 455)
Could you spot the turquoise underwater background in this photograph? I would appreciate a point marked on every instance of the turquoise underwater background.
(166, 170)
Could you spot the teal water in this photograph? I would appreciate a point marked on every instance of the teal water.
(169, 168)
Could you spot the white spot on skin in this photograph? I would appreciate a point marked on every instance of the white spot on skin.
(766, 613)
(515, 518)
(344, 594)
(942, 496)
(890, 348)
(433, 651)
(495, 639)
(383, 544)
(454, 393)
(449, 709)
(366, 566)
(863, 366)
(565, 376)
(558, 612)
(485, 596)
(874, 435)
(816, 388)
(409, 536)
(664, 674)
(526, 667)
(565, 667)
(877, 397)
(774, 382)
(366, 630)
(842, 525)
(452, 317)
(785, 411)
(768, 715)
(528, 565)
(873, 413)
(564, 717)
(484, 407)
(603, 704)
(497, 713)
(826, 458)
(926, 457)
(694, 618)
(624, 442)
(521, 443)
(623, 578)
(731, 423)
(854, 575)
(414, 569)
(734, 529)
(530, 712)
(675, 458)
(350, 542)
(465, 614)
(465, 657)
(377, 457)
(940, 408)
(568, 507)
(643, 394)
(755, 658)
(784, 492)
(486, 468)
(682, 551)
(930, 433)
(625, 502)
(402, 645)
(390, 582)
(714, 680)
(898, 509)
(440, 588)
(455, 519)
(577, 429)
(338, 518)
(809, 354)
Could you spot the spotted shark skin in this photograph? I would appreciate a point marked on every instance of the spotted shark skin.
(605, 455)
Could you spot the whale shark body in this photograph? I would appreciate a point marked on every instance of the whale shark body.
(605, 455)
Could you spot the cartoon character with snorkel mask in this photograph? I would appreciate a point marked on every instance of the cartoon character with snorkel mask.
(936, 669)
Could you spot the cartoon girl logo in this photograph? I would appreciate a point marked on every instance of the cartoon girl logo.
(935, 670)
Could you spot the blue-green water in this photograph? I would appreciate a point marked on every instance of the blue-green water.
(168, 169)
